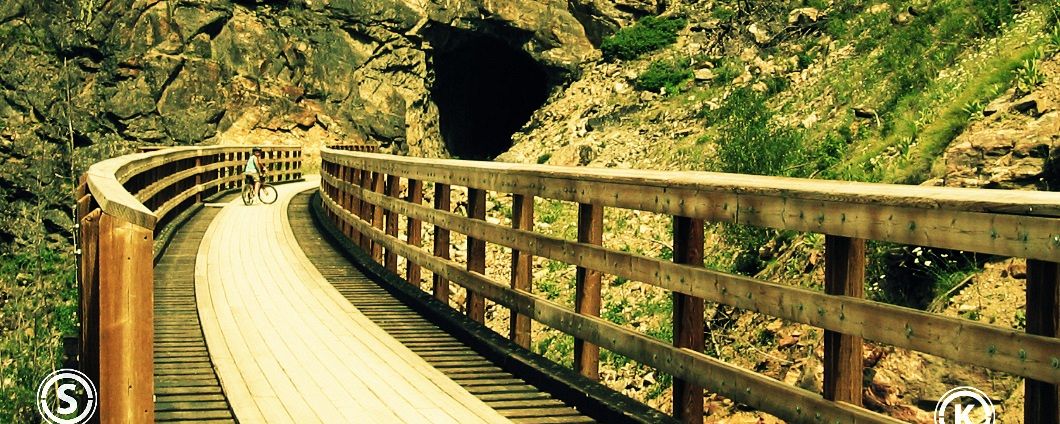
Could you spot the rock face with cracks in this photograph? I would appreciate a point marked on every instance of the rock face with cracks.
(88, 79)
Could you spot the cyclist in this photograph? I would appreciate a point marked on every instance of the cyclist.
(255, 169)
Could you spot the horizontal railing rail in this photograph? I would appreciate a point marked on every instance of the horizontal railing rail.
(361, 192)
(122, 203)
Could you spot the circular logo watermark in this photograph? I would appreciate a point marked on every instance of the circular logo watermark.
(964, 405)
(66, 396)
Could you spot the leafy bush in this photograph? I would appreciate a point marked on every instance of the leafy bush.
(648, 34)
(666, 74)
(750, 143)
(1028, 76)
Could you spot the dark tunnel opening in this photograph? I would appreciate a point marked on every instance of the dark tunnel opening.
(485, 91)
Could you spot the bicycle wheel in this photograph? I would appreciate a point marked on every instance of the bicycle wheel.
(267, 194)
(248, 194)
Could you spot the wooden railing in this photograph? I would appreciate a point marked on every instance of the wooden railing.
(122, 203)
(361, 194)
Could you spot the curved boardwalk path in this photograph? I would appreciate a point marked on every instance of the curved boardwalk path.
(186, 388)
(511, 395)
(288, 347)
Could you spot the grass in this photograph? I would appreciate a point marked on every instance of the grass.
(667, 74)
(646, 35)
(37, 308)
(922, 103)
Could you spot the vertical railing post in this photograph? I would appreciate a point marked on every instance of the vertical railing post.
(587, 295)
(393, 190)
(1042, 400)
(378, 186)
(126, 322)
(442, 198)
(89, 288)
(366, 208)
(341, 172)
(688, 317)
(522, 267)
(354, 207)
(198, 178)
(844, 276)
(415, 232)
(476, 254)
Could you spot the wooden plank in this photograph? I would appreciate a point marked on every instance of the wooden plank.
(476, 254)
(378, 183)
(688, 318)
(587, 289)
(126, 313)
(415, 232)
(519, 327)
(393, 189)
(88, 281)
(1042, 399)
(366, 208)
(442, 198)
(1009, 351)
(844, 276)
(744, 386)
(988, 221)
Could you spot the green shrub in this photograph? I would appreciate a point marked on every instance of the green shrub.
(727, 69)
(544, 158)
(723, 13)
(668, 74)
(1028, 76)
(914, 276)
(750, 143)
(648, 34)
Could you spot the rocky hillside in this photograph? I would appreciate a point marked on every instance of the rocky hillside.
(943, 92)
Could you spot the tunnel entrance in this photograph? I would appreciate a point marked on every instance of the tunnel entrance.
(485, 91)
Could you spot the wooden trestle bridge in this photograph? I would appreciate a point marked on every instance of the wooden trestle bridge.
(196, 307)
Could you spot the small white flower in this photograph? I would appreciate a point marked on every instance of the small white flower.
(927, 263)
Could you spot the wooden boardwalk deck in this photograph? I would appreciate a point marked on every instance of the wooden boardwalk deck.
(288, 347)
(512, 396)
(186, 388)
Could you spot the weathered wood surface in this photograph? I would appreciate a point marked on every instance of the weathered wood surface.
(170, 168)
(186, 387)
(125, 316)
(1008, 350)
(787, 402)
(1022, 224)
(844, 275)
(1003, 222)
(688, 318)
(512, 396)
(289, 348)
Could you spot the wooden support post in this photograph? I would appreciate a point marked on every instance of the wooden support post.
(198, 178)
(442, 199)
(126, 322)
(354, 206)
(393, 189)
(366, 208)
(342, 198)
(1042, 400)
(845, 276)
(89, 288)
(688, 318)
(378, 186)
(476, 254)
(587, 295)
(415, 232)
(522, 267)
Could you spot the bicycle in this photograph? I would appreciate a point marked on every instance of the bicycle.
(267, 193)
